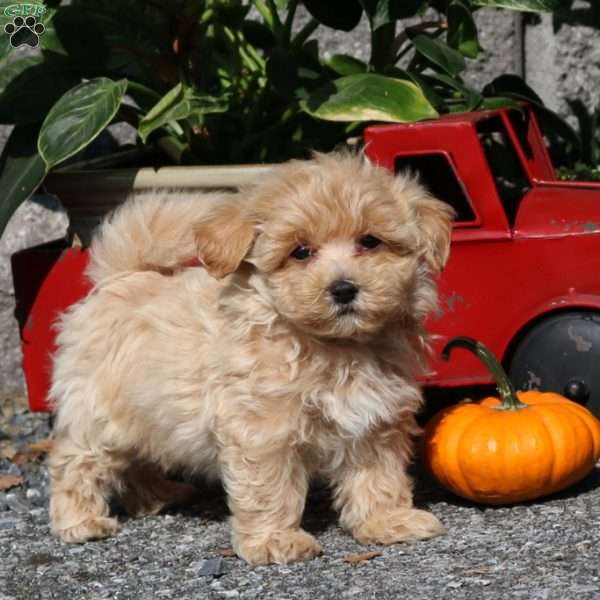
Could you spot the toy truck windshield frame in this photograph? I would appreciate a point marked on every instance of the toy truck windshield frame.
(481, 163)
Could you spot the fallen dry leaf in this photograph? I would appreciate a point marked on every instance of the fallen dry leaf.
(10, 405)
(32, 452)
(227, 552)
(8, 451)
(477, 571)
(9, 481)
(355, 558)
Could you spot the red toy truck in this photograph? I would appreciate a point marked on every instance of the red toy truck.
(524, 271)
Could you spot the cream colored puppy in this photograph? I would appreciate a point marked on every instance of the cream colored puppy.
(291, 354)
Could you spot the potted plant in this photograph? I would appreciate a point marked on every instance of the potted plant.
(207, 84)
(222, 82)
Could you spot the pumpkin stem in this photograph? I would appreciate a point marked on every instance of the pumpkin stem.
(503, 384)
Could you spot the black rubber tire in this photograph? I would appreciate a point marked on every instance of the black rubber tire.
(561, 354)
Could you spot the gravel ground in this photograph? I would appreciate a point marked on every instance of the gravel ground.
(548, 549)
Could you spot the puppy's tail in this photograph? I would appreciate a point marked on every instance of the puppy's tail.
(150, 232)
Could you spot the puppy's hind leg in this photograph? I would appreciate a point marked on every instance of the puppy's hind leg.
(82, 480)
(146, 490)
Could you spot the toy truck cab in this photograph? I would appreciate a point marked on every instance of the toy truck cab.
(524, 269)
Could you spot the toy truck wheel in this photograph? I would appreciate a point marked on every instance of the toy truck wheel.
(561, 354)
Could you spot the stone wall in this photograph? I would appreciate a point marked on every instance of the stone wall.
(560, 60)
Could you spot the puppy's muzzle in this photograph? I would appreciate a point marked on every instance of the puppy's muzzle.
(343, 291)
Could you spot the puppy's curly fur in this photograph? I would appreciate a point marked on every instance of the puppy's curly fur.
(249, 369)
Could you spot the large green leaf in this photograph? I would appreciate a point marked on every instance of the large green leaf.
(462, 30)
(438, 53)
(30, 86)
(524, 5)
(343, 64)
(79, 117)
(21, 170)
(338, 14)
(179, 103)
(369, 97)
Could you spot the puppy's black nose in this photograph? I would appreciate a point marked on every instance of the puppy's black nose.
(343, 291)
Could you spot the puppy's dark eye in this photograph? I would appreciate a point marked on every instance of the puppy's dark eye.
(369, 241)
(302, 253)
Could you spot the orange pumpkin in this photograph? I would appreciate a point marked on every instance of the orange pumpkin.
(517, 447)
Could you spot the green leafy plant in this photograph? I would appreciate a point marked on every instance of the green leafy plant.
(230, 81)
(579, 172)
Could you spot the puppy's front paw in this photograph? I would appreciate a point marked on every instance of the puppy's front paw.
(399, 525)
(281, 547)
(94, 528)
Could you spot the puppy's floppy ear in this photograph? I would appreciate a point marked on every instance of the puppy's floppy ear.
(434, 219)
(224, 237)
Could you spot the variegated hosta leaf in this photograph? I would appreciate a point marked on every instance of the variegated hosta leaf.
(369, 97)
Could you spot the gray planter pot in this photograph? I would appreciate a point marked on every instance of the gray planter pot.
(89, 195)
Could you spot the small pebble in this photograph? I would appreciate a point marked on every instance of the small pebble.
(16, 503)
(8, 523)
(32, 494)
(212, 567)
(13, 469)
